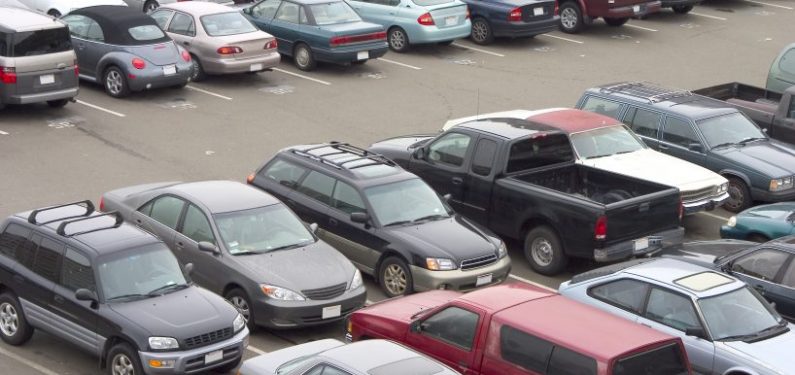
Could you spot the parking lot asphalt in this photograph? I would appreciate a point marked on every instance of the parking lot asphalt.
(225, 127)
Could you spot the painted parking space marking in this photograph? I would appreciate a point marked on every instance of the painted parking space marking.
(66, 122)
(117, 114)
(640, 27)
(368, 302)
(3, 133)
(562, 38)
(373, 75)
(709, 214)
(28, 363)
(522, 279)
(278, 89)
(399, 63)
(770, 5)
(194, 88)
(255, 350)
(708, 16)
(178, 104)
(478, 50)
(303, 76)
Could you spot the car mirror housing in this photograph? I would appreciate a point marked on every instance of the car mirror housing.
(83, 294)
(313, 227)
(360, 217)
(695, 147)
(416, 326)
(447, 197)
(419, 153)
(189, 269)
(695, 331)
(209, 247)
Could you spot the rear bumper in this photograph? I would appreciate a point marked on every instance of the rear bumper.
(40, 97)
(154, 78)
(419, 34)
(425, 279)
(193, 361)
(349, 54)
(231, 66)
(626, 249)
(670, 3)
(629, 11)
(291, 314)
(707, 204)
(525, 29)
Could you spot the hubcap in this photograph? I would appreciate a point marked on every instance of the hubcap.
(242, 306)
(302, 56)
(736, 198)
(122, 365)
(479, 30)
(395, 279)
(568, 17)
(396, 39)
(9, 320)
(114, 82)
(541, 250)
(151, 6)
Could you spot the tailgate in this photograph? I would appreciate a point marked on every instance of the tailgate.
(641, 216)
(539, 11)
(45, 73)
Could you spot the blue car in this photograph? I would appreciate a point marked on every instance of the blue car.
(511, 18)
(417, 21)
(761, 223)
(319, 30)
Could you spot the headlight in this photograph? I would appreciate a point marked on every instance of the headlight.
(778, 184)
(356, 281)
(283, 294)
(723, 187)
(239, 323)
(163, 343)
(502, 250)
(732, 221)
(440, 264)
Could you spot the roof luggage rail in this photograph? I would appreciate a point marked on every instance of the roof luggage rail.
(117, 223)
(89, 210)
(646, 90)
(345, 148)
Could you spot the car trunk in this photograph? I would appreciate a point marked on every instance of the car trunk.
(361, 33)
(158, 54)
(45, 73)
(627, 3)
(542, 10)
(448, 14)
(252, 44)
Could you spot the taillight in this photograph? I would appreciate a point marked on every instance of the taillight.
(8, 75)
(600, 229)
(681, 209)
(77, 69)
(425, 19)
(515, 15)
(348, 39)
(250, 178)
(468, 14)
(271, 44)
(557, 8)
(138, 63)
(186, 56)
(102, 203)
(229, 50)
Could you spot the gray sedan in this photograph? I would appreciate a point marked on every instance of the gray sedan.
(248, 247)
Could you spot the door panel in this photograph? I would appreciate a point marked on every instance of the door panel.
(195, 227)
(450, 335)
(444, 167)
(477, 195)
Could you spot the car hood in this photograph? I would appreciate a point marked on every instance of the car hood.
(404, 308)
(775, 211)
(298, 269)
(454, 238)
(775, 353)
(771, 158)
(399, 148)
(706, 252)
(267, 364)
(668, 170)
(184, 313)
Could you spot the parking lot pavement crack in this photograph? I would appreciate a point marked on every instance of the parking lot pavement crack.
(112, 144)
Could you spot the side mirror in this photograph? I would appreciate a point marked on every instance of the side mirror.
(83, 294)
(447, 197)
(419, 153)
(247, 11)
(189, 269)
(360, 217)
(209, 248)
(695, 331)
(313, 227)
(416, 326)
(695, 147)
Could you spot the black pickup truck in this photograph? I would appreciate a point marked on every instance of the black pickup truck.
(519, 179)
(774, 112)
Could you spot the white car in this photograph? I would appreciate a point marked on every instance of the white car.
(605, 143)
(57, 8)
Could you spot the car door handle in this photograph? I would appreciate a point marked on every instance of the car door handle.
(333, 221)
(457, 180)
(180, 245)
(58, 299)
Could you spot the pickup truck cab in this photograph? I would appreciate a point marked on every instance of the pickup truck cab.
(782, 70)
(519, 179)
(519, 329)
(575, 15)
(511, 18)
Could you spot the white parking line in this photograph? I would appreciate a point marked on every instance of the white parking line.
(479, 50)
(399, 63)
(639, 27)
(562, 38)
(3, 133)
(721, 218)
(302, 76)
(770, 5)
(522, 279)
(708, 16)
(30, 364)
(255, 350)
(194, 88)
(117, 114)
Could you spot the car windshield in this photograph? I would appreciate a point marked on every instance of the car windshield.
(405, 202)
(666, 360)
(738, 314)
(146, 32)
(292, 364)
(605, 142)
(729, 129)
(139, 273)
(333, 13)
(262, 229)
(231, 23)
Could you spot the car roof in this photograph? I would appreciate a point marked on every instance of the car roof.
(505, 295)
(13, 19)
(224, 196)
(508, 128)
(381, 357)
(676, 101)
(574, 120)
(200, 8)
(116, 20)
(673, 273)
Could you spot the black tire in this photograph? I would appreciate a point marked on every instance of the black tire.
(571, 21)
(446, 43)
(54, 13)
(481, 31)
(60, 103)
(756, 237)
(544, 252)
(227, 367)
(239, 299)
(14, 327)
(682, 9)
(739, 196)
(198, 71)
(122, 356)
(117, 87)
(616, 22)
(394, 276)
(150, 6)
(398, 39)
(303, 57)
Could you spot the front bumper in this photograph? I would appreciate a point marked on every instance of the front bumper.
(40, 97)
(627, 249)
(525, 29)
(732, 233)
(273, 313)
(707, 204)
(153, 78)
(349, 54)
(629, 11)
(772, 196)
(232, 66)
(425, 279)
(193, 361)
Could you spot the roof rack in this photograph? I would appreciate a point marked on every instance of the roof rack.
(646, 90)
(62, 228)
(341, 149)
(89, 210)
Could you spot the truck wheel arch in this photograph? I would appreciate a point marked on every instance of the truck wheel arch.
(728, 173)
(110, 343)
(386, 254)
(581, 4)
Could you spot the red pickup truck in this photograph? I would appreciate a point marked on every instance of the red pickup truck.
(518, 329)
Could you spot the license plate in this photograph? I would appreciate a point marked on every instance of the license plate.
(483, 279)
(255, 67)
(169, 70)
(331, 312)
(636, 8)
(364, 55)
(640, 244)
(538, 11)
(213, 356)
(450, 21)
(47, 79)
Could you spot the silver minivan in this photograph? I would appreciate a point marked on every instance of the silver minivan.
(37, 62)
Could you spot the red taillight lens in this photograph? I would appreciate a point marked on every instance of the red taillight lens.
(229, 50)
(250, 178)
(515, 15)
(185, 56)
(425, 19)
(600, 229)
(348, 39)
(77, 69)
(557, 8)
(8, 75)
(102, 203)
(138, 63)
(469, 15)
(271, 44)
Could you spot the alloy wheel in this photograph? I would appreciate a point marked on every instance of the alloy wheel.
(151, 6)
(397, 39)
(241, 305)
(395, 279)
(568, 17)
(541, 250)
(122, 365)
(114, 82)
(9, 319)
(479, 31)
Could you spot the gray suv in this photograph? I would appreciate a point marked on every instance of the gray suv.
(37, 62)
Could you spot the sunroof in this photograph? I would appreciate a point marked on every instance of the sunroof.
(703, 281)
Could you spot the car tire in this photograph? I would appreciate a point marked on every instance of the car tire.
(682, 9)
(14, 327)
(239, 299)
(616, 22)
(544, 252)
(739, 196)
(398, 39)
(198, 71)
(394, 276)
(54, 13)
(756, 237)
(227, 367)
(303, 57)
(115, 82)
(481, 31)
(123, 360)
(571, 20)
(60, 103)
(150, 6)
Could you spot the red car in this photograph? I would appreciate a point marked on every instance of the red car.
(518, 329)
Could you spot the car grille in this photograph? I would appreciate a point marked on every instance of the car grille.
(196, 364)
(478, 262)
(325, 293)
(697, 195)
(208, 338)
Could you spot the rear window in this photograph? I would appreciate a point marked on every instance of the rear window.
(146, 33)
(666, 360)
(333, 13)
(32, 43)
(227, 24)
(539, 151)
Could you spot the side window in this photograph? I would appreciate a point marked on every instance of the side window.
(318, 186)
(25, 253)
(347, 199)
(161, 17)
(643, 122)
(284, 173)
(288, 12)
(524, 350)
(568, 362)
(787, 62)
(763, 264)
(453, 325)
(789, 276)
(182, 24)
(76, 272)
(266, 9)
(484, 157)
(47, 262)
(673, 310)
(83, 27)
(12, 238)
(602, 106)
(166, 210)
(95, 32)
(302, 16)
(791, 111)
(626, 294)
(196, 226)
(450, 149)
(679, 132)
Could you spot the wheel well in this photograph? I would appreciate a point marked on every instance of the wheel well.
(229, 288)
(737, 373)
(540, 222)
(758, 235)
(112, 341)
(729, 175)
(298, 43)
(385, 255)
(4, 289)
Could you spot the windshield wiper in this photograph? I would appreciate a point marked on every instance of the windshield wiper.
(399, 222)
(598, 156)
(429, 217)
(162, 290)
(738, 337)
(724, 145)
(751, 139)
(624, 152)
(125, 296)
(287, 247)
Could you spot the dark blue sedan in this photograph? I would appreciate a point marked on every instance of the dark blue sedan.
(319, 30)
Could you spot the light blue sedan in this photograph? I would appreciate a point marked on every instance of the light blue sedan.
(416, 21)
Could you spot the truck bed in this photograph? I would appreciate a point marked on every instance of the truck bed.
(741, 93)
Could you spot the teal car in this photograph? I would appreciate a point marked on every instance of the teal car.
(319, 30)
(761, 223)
(416, 21)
